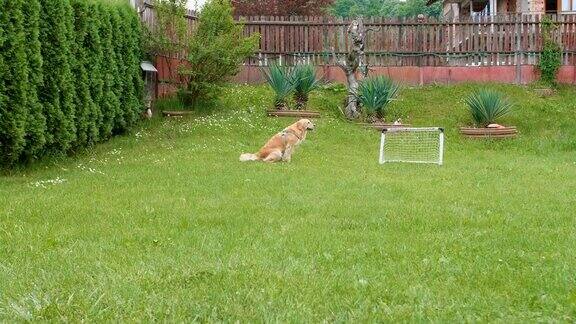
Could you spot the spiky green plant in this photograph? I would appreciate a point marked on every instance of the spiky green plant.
(376, 93)
(278, 77)
(487, 106)
(304, 80)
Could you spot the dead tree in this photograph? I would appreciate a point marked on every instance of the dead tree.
(355, 62)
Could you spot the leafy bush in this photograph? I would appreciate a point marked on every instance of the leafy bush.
(551, 56)
(376, 93)
(278, 77)
(217, 50)
(304, 81)
(166, 37)
(487, 106)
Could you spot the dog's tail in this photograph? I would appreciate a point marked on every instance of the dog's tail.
(249, 157)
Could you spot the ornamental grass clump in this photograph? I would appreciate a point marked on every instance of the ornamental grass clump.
(375, 94)
(487, 106)
(278, 77)
(304, 81)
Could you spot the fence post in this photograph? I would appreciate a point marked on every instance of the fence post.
(518, 51)
(420, 43)
(326, 47)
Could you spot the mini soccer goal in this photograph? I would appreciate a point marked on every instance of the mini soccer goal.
(412, 145)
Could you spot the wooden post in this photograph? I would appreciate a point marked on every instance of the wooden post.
(518, 51)
(420, 45)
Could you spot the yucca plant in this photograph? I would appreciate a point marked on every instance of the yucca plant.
(375, 94)
(278, 77)
(303, 78)
(487, 106)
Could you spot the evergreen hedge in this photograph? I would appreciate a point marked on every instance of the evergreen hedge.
(69, 75)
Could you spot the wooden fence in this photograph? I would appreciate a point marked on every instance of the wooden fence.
(503, 48)
(481, 41)
(501, 40)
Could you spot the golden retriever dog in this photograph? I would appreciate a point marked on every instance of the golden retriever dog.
(281, 146)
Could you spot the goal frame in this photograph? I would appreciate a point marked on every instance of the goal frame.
(440, 161)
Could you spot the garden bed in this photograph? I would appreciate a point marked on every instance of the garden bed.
(503, 132)
(293, 113)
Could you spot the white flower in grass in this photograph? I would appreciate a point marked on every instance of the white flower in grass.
(45, 183)
(89, 169)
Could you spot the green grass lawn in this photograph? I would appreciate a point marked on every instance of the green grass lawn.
(166, 224)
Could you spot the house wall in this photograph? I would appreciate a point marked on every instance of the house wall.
(537, 6)
(452, 10)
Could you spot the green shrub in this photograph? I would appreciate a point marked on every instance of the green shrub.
(13, 82)
(36, 122)
(57, 92)
(217, 50)
(375, 94)
(304, 81)
(278, 77)
(110, 104)
(94, 69)
(3, 96)
(551, 56)
(166, 37)
(132, 84)
(68, 78)
(487, 106)
(118, 71)
(83, 99)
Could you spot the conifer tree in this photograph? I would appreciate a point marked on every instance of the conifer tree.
(94, 62)
(57, 92)
(130, 102)
(119, 69)
(109, 102)
(36, 122)
(83, 99)
(13, 82)
(136, 51)
(69, 75)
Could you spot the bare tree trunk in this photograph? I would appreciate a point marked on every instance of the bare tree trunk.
(355, 60)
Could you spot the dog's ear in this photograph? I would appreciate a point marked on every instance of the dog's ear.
(303, 124)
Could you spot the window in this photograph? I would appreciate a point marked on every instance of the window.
(568, 5)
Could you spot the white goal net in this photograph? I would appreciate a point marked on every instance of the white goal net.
(413, 145)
